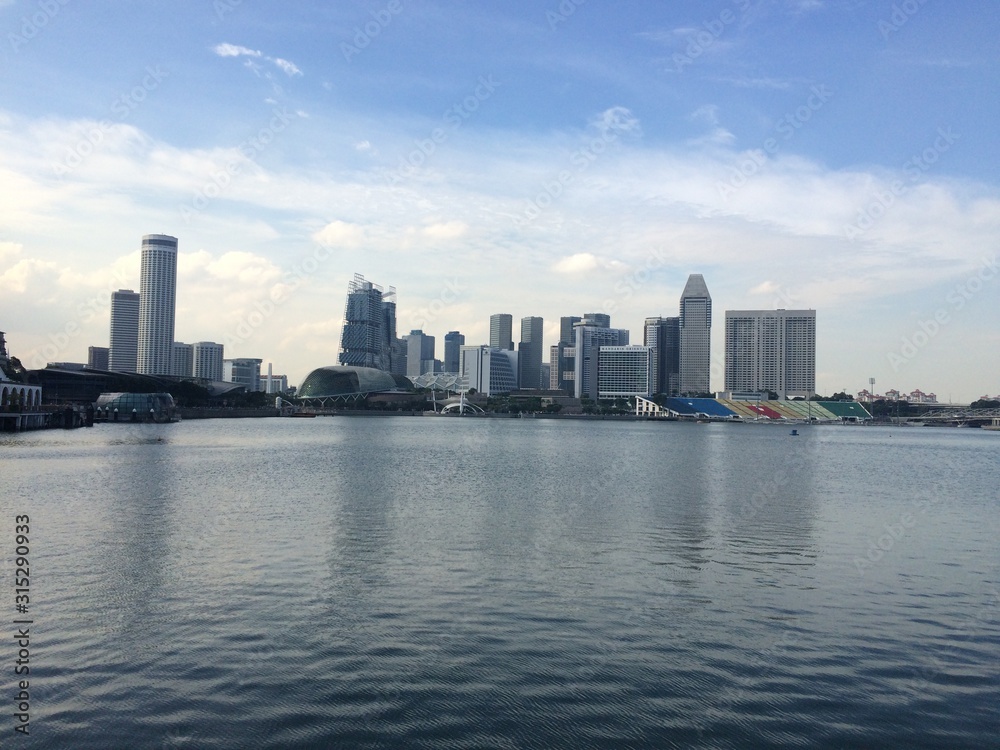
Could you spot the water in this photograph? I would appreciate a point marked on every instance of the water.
(470, 583)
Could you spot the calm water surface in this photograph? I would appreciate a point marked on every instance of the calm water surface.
(470, 583)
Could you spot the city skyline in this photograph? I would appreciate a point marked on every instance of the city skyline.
(562, 157)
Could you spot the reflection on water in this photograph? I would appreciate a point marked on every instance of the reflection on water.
(511, 583)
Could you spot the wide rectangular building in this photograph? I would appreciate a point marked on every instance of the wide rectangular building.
(589, 340)
(771, 350)
(625, 371)
(245, 371)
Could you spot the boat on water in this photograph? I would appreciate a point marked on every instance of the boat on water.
(994, 425)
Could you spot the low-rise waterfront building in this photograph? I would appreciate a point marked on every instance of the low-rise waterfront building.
(245, 371)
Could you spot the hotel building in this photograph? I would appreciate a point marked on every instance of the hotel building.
(771, 350)
(157, 300)
(123, 349)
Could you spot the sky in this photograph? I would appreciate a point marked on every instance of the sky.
(533, 158)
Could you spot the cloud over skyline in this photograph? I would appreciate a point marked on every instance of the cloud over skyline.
(565, 190)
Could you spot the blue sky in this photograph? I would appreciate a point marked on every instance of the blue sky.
(532, 158)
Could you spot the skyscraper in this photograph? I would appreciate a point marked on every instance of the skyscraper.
(566, 324)
(695, 339)
(663, 336)
(207, 360)
(123, 349)
(183, 360)
(600, 320)
(97, 357)
(589, 340)
(502, 331)
(529, 353)
(419, 354)
(453, 343)
(157, 300)
(771, 350)
(369, 325)
(562, 354)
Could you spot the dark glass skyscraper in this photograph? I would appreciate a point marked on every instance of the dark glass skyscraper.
(369, 325)
(453, 343)
(663, 336)
(530, 352)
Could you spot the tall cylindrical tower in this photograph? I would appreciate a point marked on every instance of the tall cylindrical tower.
(157, 296)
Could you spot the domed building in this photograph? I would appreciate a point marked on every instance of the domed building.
(328, 385)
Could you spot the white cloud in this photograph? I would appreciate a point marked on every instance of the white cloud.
(638, 219)
(617, 120)
(17, 278)
(757, 83)
(765, 288)
(290, 68)
(580, 264)
(9, 250)
(243, 267)
(340, 234)
(234, 50)
(450, 230)
(225, 49)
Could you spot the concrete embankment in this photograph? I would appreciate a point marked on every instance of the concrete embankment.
(223, 413)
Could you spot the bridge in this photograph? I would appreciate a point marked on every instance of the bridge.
(955, 415)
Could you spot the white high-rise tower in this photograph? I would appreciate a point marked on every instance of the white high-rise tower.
(157, 298)
(771, 350)
(123, 344)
